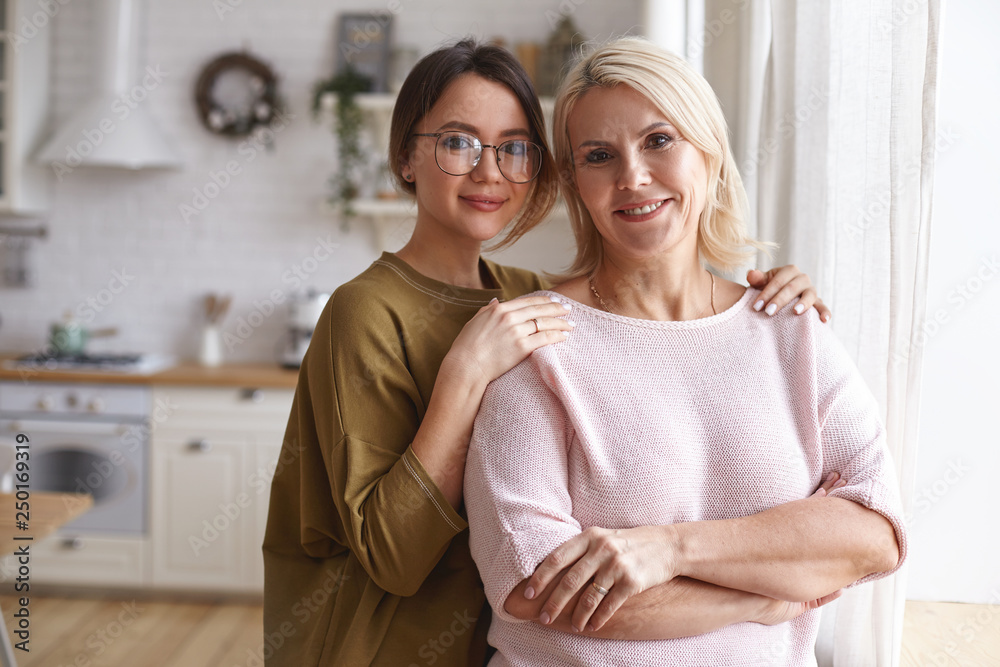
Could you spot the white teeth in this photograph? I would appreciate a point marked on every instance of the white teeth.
(643, 210)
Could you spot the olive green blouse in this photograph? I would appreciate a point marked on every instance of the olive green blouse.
(365, 561)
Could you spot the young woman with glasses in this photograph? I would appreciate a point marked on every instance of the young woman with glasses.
(366, 551)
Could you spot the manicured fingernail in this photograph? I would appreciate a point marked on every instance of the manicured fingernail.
(799, 308)
(826, 318)
(529, 593)
(571, 323)
(830, 477)
(544, 618)
(772, 309)
(760, 304)
(576, 629)
(493, 300)
(591, 628)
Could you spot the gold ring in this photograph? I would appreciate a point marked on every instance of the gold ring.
(536, 324)
(600, 589)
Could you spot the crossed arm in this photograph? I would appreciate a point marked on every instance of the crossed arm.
(681, 607)
(691, 578)
(765, 568)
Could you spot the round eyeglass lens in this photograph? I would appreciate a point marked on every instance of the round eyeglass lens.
(519, 160)
(458, 153)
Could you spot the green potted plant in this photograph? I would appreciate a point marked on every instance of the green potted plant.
(348, 119)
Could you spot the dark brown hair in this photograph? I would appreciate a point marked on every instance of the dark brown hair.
(427, 82)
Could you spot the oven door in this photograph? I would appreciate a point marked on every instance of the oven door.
(106, 460)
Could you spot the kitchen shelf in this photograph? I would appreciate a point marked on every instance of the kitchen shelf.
(376, 102)
(395, 208)
(387, 217)
(383, 103)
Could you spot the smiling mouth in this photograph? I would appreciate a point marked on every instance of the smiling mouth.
(643, 210)
(484, 200)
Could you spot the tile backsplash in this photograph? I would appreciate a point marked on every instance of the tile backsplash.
(121, 251)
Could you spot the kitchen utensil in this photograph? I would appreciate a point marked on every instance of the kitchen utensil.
(216, 307)
(69, 337)
(224, 303)
(210, 353)
(303, 312)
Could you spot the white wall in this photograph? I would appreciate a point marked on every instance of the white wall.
(267, 220)
(955, 527)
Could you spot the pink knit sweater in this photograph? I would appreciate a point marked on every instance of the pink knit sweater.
(635, 422)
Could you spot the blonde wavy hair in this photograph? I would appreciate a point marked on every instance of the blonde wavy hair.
(691, 106)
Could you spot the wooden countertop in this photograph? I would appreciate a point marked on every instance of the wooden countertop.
(47, 512)
(257, 375)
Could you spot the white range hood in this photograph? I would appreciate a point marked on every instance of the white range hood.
(114, 129)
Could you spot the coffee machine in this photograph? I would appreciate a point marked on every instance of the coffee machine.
(303, 312)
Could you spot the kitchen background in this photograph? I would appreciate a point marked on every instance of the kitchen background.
(266, 230)
(119, 239)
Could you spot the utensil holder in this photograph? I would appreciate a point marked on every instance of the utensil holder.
(211, 346)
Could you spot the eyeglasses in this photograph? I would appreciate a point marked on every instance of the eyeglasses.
(458, 153)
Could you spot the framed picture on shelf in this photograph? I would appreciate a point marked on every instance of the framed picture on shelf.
(364, 42)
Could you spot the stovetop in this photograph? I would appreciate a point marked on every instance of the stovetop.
(112, 363)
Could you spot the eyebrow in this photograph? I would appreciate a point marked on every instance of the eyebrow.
(465, 127)
(645, 130)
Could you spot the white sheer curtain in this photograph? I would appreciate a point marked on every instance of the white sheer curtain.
(834, 133)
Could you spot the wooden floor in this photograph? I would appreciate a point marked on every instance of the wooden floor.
(78, 632)
(139, 633)
(947, 633)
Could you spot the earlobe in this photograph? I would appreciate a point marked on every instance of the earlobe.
(404, 168)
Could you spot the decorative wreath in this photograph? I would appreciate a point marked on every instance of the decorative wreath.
(261, 103)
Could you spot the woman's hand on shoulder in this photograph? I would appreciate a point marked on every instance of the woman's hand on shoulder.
(502, 334)
(779, 286)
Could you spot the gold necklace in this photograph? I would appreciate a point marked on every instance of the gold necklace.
(590, 280)
(597, 294)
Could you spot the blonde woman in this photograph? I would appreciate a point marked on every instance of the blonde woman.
(653, 478)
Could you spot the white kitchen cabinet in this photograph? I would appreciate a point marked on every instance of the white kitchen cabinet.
(212, 461)
(199, 523)
(91, 561)
(25, 45)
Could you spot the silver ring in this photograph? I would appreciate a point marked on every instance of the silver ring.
(600, 589)
(536, 324)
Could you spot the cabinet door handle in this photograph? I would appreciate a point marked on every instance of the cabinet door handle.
(252, 394)
(201, 445)
(72, 544)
